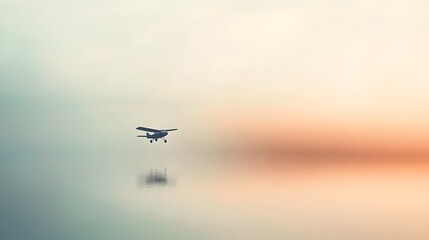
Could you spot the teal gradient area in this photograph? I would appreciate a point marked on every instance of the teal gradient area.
(78, 199)
(296, 119)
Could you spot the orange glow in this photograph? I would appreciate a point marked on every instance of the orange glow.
(278, 134)
(269, 185)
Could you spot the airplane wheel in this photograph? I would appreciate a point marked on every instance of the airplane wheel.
(151, 141)
(165, 141)
(156, 140)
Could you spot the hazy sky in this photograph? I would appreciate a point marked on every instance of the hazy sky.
(83, 74)
(335, 77)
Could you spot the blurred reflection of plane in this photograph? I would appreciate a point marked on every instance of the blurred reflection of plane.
(154, 177)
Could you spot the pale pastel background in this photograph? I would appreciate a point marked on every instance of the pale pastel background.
(297, 119)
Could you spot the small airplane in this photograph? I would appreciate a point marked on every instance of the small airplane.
(157, 134)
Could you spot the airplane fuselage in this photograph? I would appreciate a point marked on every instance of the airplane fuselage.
(157, 135)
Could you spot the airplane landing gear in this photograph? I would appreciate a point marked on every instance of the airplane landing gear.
(151, 141)
(165, 140)
(156, 140)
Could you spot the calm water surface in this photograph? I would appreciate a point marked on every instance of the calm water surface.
(211, 199)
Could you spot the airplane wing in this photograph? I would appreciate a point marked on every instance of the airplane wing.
(147, 129)
(169, 130)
